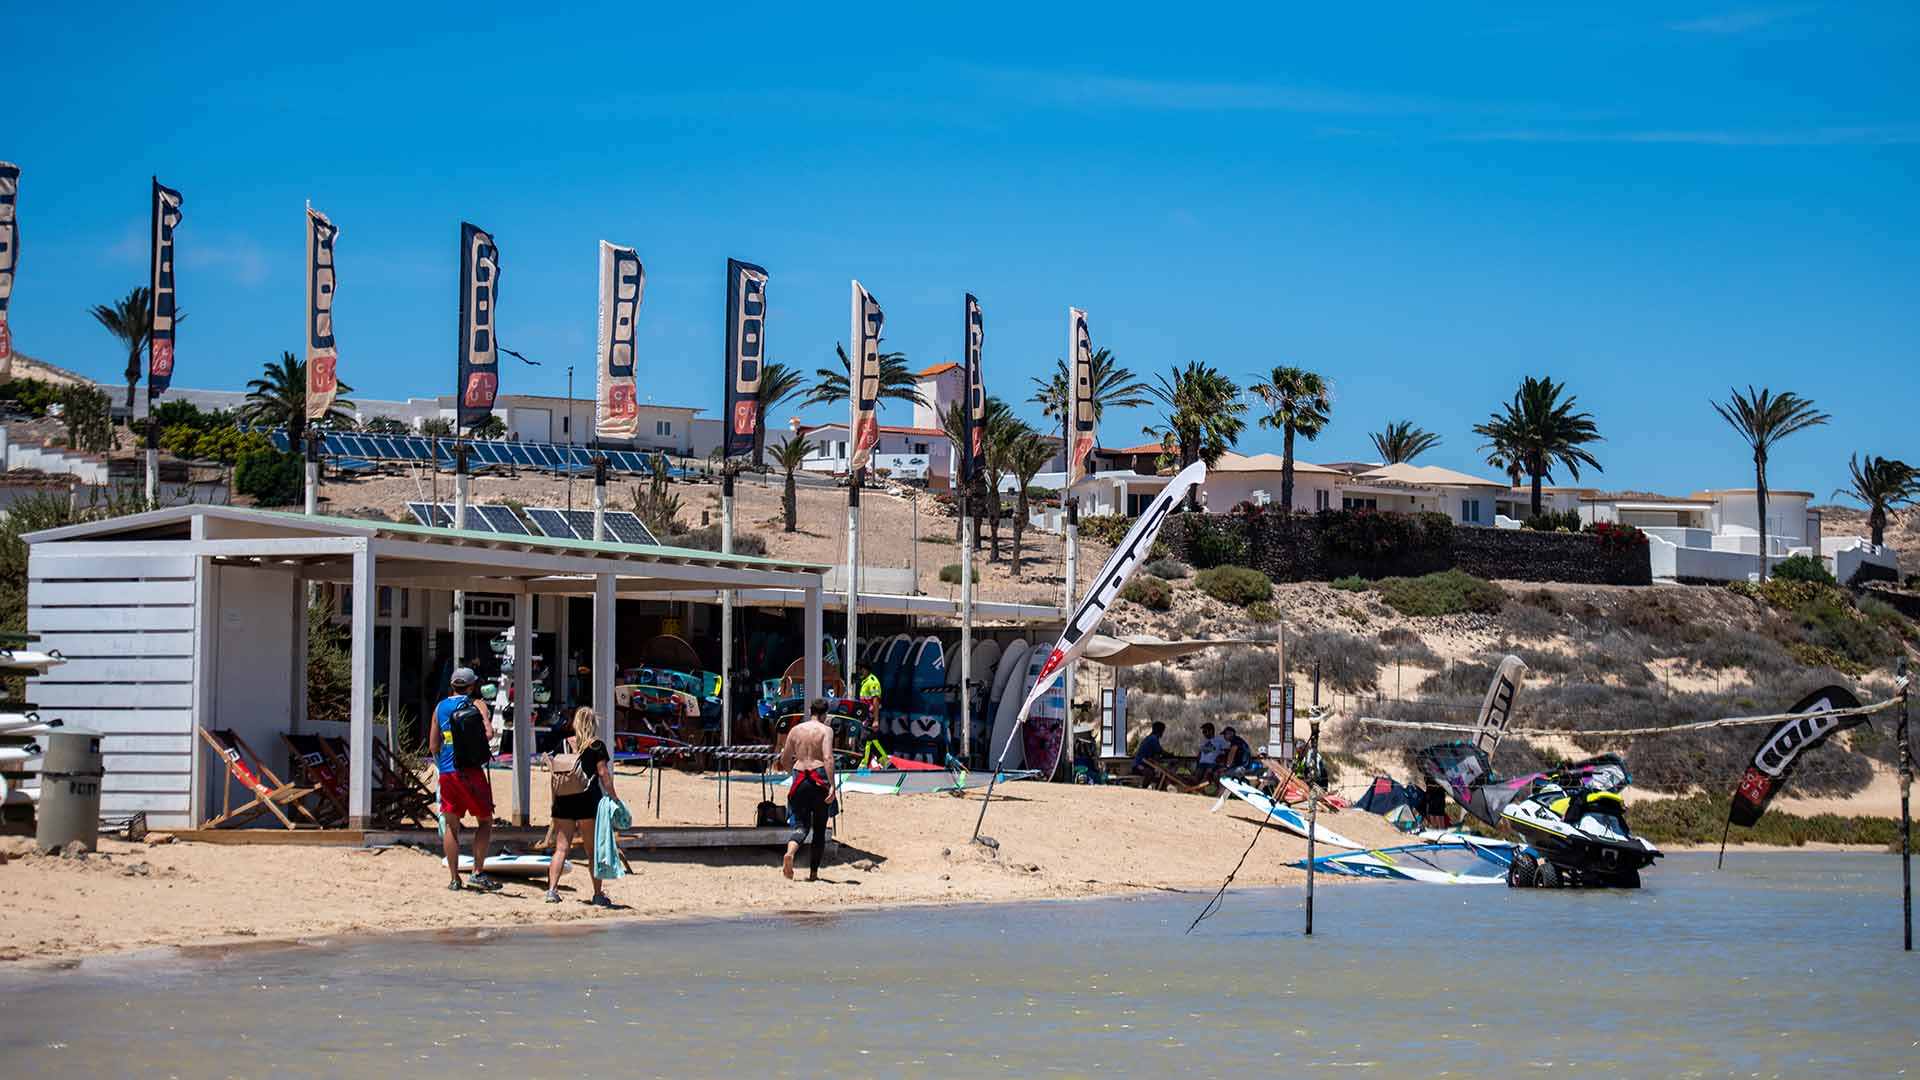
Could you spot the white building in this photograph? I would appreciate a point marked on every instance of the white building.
(1403, 488)
(912, 453)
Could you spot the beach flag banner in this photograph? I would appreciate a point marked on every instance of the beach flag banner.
(166, 217)
(323, 382)
(746, 354)
(623, 284)
(1079, 399)
(864, 377)
(1126, 558)
(1496, 709)
(479, 350)
(9, 257)
(973, 421)
(1784, 744)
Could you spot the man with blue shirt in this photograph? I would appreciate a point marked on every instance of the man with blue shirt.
(466, 790)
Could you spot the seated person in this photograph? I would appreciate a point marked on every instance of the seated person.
(1150, 750)
(1434, 806)
(1237, 761)
(1211, 747)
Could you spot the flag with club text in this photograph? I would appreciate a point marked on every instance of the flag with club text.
(1773, 762)
(623, 284)
(479, 370)
(973, 417)
(746, 354)
(863, 378)
(1080, 404)
(166, 217)
(323, 359)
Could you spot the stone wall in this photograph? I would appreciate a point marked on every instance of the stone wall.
(1322, 547)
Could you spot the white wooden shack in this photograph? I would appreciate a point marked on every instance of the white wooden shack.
(195, 616)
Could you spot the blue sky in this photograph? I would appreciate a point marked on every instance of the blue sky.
(1651, 202)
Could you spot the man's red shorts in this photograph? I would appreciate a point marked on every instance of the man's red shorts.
(466, 792)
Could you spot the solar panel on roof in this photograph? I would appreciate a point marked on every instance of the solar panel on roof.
(491, 453)
(626, 527)
(412, 447)
(279, 440)
(582, 523)
(550, 522)
(475, 523)
(500, 519)
(430, 515)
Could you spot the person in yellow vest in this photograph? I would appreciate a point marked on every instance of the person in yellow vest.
(868, 691)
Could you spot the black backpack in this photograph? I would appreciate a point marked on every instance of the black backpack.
(471, 750)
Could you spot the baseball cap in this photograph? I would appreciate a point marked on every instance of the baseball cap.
(464, 677)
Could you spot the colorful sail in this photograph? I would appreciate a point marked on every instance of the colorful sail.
(323, 358)
(1126, 558)
(479, 356)
(863, 378)
(746, 354)
(166, 217)
(1080, 403)
(9, 257)
(623, 284)
(1773, 762)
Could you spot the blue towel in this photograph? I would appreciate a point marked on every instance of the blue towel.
(607, 820)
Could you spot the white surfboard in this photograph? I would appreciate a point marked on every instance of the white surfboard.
(1012, 658)
(515, 865)
(30, 658)
(1286, 817)
(1008, 710)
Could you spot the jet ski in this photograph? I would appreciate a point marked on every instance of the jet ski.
(1575, 825)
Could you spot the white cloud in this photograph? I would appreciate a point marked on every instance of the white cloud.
(1737, 21)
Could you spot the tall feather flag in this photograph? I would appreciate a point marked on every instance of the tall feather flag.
(746, 354)
(973, 418)
(1080, 403)
(1773, 762)
(166, 217)
(623, 284)
(479, 370)
(9, 257)
(863, 375)
(1126, 558)
(323, 359)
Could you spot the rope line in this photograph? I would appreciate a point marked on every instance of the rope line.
(1698, 725)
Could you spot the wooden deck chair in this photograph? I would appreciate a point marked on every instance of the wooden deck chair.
(270, 793)
(315, 765)
(1165, 777)
(400, 796)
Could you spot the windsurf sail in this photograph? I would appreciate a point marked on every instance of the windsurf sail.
(1285, 817)
(1455, 862)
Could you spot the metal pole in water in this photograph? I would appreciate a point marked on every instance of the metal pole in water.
(1906, 818)
(1313, 798)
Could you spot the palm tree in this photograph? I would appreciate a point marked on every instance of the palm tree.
(789, 455)
(1402, 442)
(951, 422)
(778, 382)
(1027, 454)
(279, 399)
(1535, 431)
(1883, 484)
(1764, 418)
(896, 382)
(130, 320)
(1001, 440)
(1299, 402)
(1202, 418)
(437, 426)
(1114, 387)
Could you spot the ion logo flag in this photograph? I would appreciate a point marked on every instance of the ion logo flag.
(623, 283)
(746, 354)
(863, 375)
(973, 419)
(1774, 761)
(323, 382)
(166, 216)
(1126, 558)
(479, 351)
(9, 257)
(1497, 707)
(1079, 399)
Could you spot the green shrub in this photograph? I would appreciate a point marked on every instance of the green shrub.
(1554, 521)
(271, 478)
(1211, 539)
(1170, 569)
(1235, 584)
(1148, 591)
(1109, 529)
(1261, 612)
(1803, 568)
(707, 538)
(1351, 583)
(1449, 592)
(30, 396)
(950, 574)
(1368, 535)
(1700, 819)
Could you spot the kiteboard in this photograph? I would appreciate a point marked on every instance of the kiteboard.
(927, 705)
(514, 865)
(1046, 723)
(1006, 710)
(1012, 658)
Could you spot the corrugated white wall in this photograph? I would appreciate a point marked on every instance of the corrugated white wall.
(126, 626)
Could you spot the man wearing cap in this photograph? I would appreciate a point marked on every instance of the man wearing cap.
(463, 791)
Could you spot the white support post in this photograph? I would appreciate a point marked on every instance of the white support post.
(393, 666)
(726, 612)
(312, 503)
(153, 475)
(815, 631)
(523, 708)
(603, 650)
(1067, 673)
(459, 522)
(966, 630)
(853, 568)
(360, 714)
(600, 510)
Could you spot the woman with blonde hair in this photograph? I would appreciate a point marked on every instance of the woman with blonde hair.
(582, 763)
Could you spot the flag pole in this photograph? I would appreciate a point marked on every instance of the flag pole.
(726, 625)
(966, 625)
(1906, 818)
(1066, 676)
(854, 478)
(1313, 795)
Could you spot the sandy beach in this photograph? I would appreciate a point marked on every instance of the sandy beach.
(1056, 841)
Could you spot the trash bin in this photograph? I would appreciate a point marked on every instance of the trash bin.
(70, 775)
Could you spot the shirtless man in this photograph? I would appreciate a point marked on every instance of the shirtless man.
(808, 752)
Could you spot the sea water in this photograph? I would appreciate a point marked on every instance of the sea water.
(1781, 965)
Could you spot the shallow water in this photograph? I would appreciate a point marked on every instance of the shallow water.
(1783, 965)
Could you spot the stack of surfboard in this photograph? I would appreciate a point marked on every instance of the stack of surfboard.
(20, 723)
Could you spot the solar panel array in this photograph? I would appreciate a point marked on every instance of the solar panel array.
(552, 457)
(622, 525)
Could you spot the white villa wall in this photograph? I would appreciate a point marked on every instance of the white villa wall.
(1224, 490)
(1846, 555)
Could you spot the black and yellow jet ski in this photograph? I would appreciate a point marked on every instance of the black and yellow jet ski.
(1577, 836)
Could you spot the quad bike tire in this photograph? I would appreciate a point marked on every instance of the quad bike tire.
(1551, 876)
(1524, 871)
